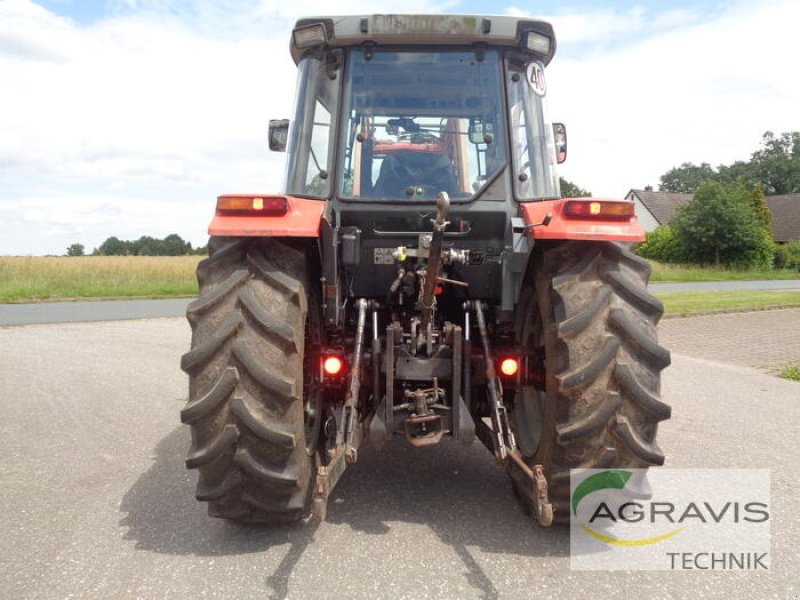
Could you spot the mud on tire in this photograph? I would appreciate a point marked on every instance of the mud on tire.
(245, 369)
(586, 304)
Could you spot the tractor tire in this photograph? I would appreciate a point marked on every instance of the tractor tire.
(586, 306)
(251, 439)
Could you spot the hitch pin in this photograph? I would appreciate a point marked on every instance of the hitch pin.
(453, 281)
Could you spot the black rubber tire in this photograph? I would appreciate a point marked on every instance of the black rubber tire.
(245, 370)
(587, 304)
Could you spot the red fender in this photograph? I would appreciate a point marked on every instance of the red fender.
(564, 227)
(301, 218)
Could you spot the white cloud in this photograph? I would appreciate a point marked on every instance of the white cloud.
(133, 124)
(610, 26)
(161, 105)
(700, 93)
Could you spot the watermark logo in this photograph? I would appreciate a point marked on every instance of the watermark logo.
(671, 519)
(612, 480)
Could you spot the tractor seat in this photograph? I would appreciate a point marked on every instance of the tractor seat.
(431, 171)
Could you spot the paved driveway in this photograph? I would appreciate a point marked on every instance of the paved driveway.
(764, 339)
(96, 502)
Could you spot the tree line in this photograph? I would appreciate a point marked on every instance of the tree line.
(172, 245)
(775, 168)
(727, 223)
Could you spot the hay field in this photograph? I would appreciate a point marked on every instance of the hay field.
(54, 278)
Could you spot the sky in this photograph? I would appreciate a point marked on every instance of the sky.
(129, 117)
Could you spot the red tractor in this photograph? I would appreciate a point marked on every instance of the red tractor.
(420, 277)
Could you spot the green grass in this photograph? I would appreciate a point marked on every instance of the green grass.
(791, 372)
(50, 278)
(42, 279)
(687, 303)
(665, 272)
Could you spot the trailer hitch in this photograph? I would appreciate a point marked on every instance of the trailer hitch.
(531, 485)
(503, 435)
(348, 436)
(346, 433)
(529, 481)
(424, 426)
(326, 479)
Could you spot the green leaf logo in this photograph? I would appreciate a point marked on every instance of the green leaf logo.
(599, 481)
(616, 480)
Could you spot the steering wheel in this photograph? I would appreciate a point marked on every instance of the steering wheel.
(420, 137)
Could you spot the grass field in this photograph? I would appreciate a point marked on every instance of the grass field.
(664, 272)
(36, 279)
(50, 278)
(686, 303)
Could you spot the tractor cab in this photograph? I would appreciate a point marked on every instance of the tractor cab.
(396, 109)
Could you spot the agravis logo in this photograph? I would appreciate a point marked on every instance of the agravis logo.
(670, 519)
(604, 481)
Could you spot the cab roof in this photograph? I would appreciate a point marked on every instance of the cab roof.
(423, 30)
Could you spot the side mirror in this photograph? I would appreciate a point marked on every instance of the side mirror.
(560, 135)
(480, 132)
(278, 134)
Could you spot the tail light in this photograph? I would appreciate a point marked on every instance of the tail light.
(509, 366)
(332, 365)
(332, 368)
(249, 204)
(599, 209)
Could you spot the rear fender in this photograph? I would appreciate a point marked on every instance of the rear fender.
(302, 219)
(562, 227)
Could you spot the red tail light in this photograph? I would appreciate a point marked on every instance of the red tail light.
(332, 365)
(250, 204)
(599, 209)
(509, 367)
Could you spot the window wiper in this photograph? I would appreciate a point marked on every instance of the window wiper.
(323, 174)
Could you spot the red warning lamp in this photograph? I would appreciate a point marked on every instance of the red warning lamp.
(509, 367)
(332, 365)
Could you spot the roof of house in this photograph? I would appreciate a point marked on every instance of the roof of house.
(785, 211)
(662, 205)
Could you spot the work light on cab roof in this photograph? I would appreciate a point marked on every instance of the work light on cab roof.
(533, 36)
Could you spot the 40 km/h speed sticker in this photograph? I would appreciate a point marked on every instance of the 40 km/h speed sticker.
(536, 78)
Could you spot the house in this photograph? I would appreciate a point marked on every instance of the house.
(658, 208)
(785, 211)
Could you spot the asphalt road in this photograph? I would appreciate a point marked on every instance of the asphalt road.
(69, 312)
(75, 312)
(96, 502)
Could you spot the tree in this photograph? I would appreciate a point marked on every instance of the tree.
(777, 164)
(146, 246)
(173, 245)
(719, 226)
(759, 206)
(686, 178)
(570, 190)
(775, 167)
(739, 172)
(114, 246)
(662, 244)
(75, 250)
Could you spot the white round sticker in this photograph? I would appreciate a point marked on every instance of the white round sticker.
(536, 78)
